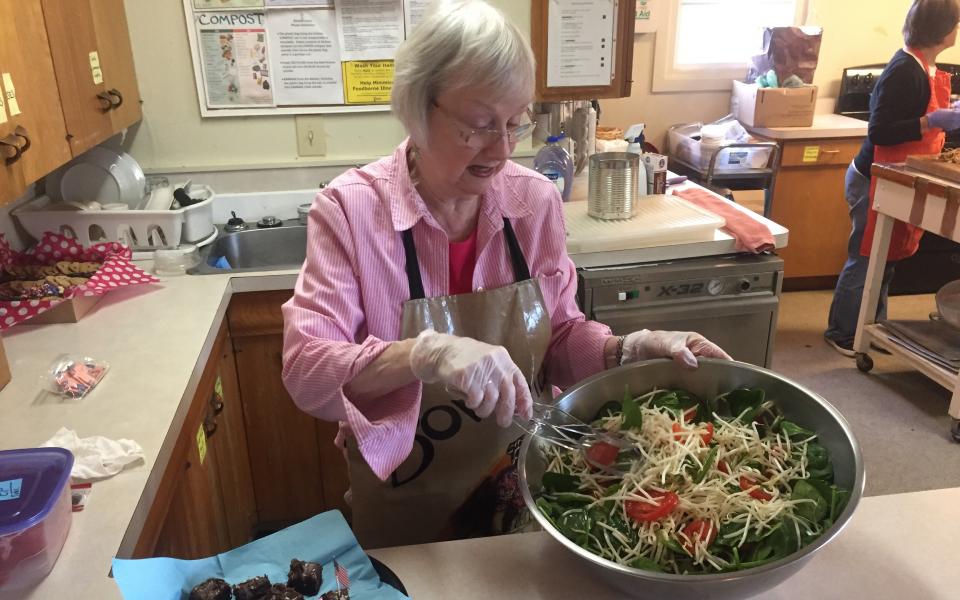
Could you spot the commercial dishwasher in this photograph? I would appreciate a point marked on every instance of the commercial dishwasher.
(732, 299)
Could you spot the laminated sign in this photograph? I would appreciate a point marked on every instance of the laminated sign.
(368, 81)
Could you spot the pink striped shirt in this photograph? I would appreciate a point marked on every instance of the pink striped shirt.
(347, 303)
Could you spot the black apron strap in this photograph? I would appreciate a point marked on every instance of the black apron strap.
(413, 266)
(521, 272)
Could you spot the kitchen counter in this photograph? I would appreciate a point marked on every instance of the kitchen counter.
(157, 339)
(824, 126)
(895, 547)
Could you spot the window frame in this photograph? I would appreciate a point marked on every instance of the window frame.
(669, 77)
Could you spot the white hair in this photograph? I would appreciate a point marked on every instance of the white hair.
(460, 43)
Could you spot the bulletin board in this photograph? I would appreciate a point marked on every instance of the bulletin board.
(294, 57)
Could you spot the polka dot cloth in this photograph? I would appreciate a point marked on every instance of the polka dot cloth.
(116, 272)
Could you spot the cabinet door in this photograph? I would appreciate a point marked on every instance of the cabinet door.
(26, 64)
(73, 45)
(284, 445)
(809, 201)
(116, 61)
(231, 455)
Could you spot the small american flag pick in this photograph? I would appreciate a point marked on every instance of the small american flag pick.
(343, 579)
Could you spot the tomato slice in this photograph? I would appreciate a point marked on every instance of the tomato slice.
(723, 467)
(689, 414)
(699, 530)
(602, 453)
(679, 433)
(708, 436)
(662, 505)
(747, 484)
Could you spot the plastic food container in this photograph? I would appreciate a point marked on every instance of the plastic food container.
(35, 514)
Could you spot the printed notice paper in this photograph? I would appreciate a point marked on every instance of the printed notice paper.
(236, 71)
(414, 11)
(368, 82)
(580, 42)
(216, 4)
(369, 29)
(305, 57)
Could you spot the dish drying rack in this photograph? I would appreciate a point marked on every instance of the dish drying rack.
(140, 230)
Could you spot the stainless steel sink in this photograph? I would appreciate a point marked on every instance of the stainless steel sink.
(268, 249)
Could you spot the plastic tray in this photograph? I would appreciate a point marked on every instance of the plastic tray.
(660, 220)
(137, 229)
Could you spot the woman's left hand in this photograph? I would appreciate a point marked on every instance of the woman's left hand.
(681, 346)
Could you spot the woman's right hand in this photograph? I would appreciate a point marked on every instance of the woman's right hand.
(947, 119)
(485, 374)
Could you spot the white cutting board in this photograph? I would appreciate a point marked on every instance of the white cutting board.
(660, 221)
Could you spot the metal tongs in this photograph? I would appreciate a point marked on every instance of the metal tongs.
(559, 428)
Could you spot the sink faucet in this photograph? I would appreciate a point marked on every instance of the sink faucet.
(236, 223)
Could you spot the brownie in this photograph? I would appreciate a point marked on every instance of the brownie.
(305, 577)
(252, 589)
(211, 589)
(336, 595)
(281, 592)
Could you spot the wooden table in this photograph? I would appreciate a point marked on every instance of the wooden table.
(927, 202)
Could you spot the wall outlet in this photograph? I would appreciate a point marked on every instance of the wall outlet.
(311, 137)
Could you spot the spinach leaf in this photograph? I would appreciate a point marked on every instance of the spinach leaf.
(815, 507)
(794, 431)
(671, 544)
(707, 465)
(744, 400)
(608, 410)
(572, 499)
(818, 456)
(632, 417)
(576, 525)
(838, 502)
(560, 482)
(645, 564)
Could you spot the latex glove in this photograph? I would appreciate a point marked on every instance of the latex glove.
(682, 346)
(947, 119)
(485, 374)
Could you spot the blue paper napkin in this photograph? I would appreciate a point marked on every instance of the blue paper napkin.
(321, 539)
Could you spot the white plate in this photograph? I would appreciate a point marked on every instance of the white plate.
(106, 176)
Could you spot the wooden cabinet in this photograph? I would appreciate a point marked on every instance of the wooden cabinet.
(297, 470)
(205, 503)
(91, 53)
(809, 200)
(33, 141)
(622, 63)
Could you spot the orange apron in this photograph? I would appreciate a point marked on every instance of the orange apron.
(906, 237)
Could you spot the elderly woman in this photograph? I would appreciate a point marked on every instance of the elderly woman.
(909, 112)
(437, 301)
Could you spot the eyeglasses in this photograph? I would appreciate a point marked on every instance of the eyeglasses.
(477, 139)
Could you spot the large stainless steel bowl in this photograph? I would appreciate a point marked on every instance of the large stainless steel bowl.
(711, 379)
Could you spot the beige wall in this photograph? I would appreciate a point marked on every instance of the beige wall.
(173, 137)
(855, 32)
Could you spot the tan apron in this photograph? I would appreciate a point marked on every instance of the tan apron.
(460, 480)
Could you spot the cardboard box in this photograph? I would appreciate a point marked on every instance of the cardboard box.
(773, 107)
(69, 311)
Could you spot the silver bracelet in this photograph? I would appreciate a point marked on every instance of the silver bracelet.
(620, 341)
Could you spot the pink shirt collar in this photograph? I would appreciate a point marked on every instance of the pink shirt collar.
(502, 199)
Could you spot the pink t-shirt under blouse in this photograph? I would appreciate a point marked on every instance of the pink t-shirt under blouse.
(347, 304)
(463, 257)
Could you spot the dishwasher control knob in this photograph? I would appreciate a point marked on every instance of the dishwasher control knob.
(621, 296)
(714, 287)
(744, 285)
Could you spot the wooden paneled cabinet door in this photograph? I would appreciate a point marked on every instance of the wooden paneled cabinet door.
(205, 503)
(91, 54)
(32, 135)
(297, 470)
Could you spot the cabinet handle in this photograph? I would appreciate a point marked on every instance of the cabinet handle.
(21, 132)
(11, 142)
(117, 99)
(106, 101)
(829, 152)
(209, 425)
(216, 404)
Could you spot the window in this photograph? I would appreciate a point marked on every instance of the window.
(705, 43)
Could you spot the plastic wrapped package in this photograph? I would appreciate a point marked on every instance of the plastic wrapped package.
(74, 376)
(788, 51)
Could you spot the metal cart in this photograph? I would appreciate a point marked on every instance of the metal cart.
(722, 181)
(933, 205)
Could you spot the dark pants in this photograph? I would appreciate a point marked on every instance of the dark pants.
(845, 308)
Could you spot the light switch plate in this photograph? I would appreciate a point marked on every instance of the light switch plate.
(311, 137)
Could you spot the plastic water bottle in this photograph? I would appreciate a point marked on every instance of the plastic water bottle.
(555, 163)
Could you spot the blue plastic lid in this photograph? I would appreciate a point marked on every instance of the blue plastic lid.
(31, 481)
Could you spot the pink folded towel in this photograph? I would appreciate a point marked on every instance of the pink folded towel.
(751, 235)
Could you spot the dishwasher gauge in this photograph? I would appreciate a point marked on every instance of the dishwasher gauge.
(714, 287)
